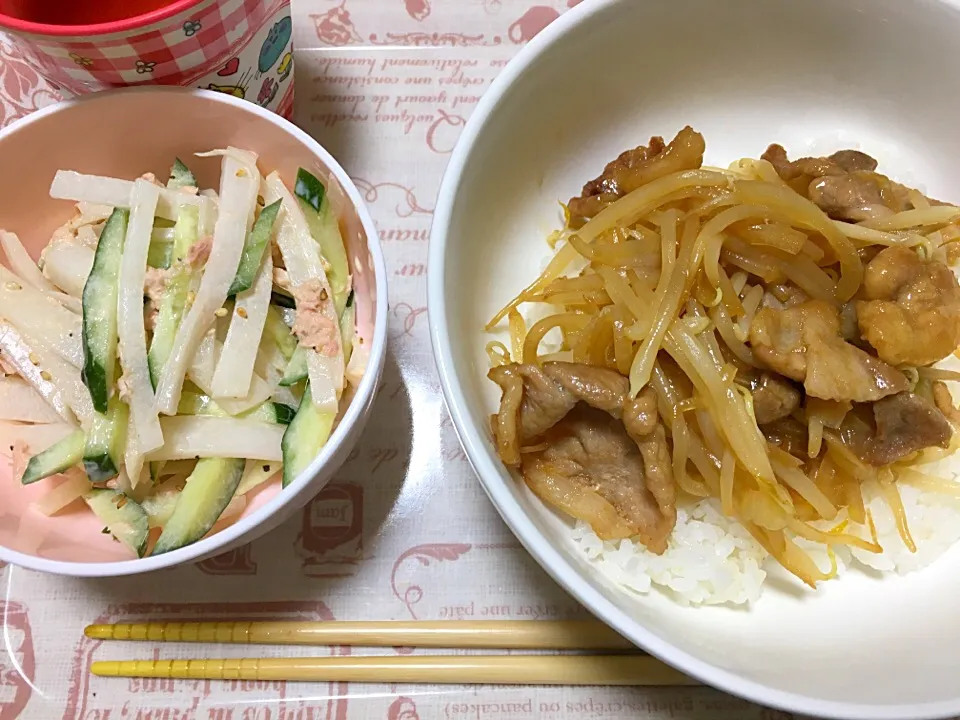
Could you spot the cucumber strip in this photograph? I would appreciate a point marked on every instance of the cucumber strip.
(271, 412)
(55, 459)
(175, 294)
(305, 437)
(208, 491)
(192, 403)
(257, 241)
(125, 519)
(296, 369)
(160, 254)
(325, 229)
(105, 442)
(180, 176)
(276, 329)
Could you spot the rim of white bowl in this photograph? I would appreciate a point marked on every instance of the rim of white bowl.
(558, 567)
(365, 390)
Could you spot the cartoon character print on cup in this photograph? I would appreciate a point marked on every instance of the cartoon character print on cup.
(261, 71)
(185, 49)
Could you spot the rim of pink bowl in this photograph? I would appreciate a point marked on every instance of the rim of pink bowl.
(137, 22)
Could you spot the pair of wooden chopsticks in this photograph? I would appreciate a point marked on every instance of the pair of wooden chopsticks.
(617, 669)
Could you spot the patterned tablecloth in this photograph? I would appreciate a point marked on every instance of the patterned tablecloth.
(405, 531)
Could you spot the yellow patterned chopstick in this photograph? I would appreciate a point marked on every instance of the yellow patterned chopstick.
(622, 670)
(512, 635)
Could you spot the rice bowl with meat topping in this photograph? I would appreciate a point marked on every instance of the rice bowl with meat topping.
(723, 370)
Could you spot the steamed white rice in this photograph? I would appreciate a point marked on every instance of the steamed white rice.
(713, 560)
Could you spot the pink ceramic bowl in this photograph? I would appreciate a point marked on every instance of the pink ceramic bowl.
(105, 134)
(239, 47)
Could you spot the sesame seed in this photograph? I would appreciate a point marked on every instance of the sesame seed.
(260, 201)
(13, 286)
(34, 359)
(242, 312)
(46, 375)
(221, 312)
(242, 172)
(191, 296)
(323, 294)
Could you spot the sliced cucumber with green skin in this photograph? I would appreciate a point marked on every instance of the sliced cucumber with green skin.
(105, 442)
(208, 491)
(325, 229)
(257, 241)
(125, 519)
(55, 459)
(180, 176)
(271, 412)
(305, 437)
(278, 331)
(100, 311)
(296, 368)
(175, 293)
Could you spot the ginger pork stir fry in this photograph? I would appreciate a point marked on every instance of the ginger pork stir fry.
(763, 334)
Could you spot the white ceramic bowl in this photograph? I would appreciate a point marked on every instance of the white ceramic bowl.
(814, 75)
(123, 134)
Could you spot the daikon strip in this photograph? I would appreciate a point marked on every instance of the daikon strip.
(22, 403)
(64, 376)
(73, 487)
(21, 262)
(69, 185)
(145, 432)
(17, 353)
(301, 256)
(36, 438)
(51, 324)
(201, 374)
(191, 436)
(238, 192)
(67, 266)
(234, 371)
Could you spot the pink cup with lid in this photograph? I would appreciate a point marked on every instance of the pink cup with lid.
(239, 47)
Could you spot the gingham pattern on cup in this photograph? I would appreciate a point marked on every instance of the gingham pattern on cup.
(177, 51)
